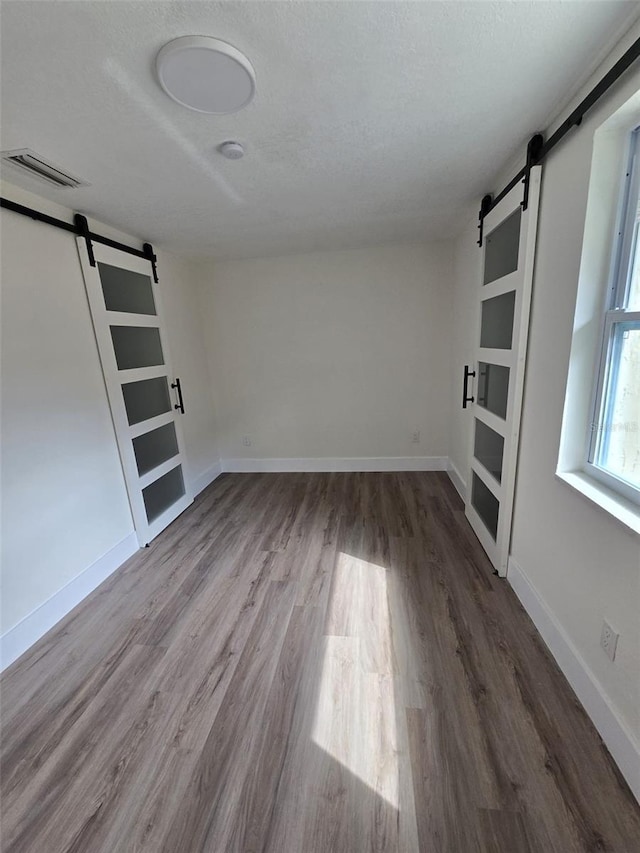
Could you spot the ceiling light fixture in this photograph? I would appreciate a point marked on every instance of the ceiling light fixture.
(206, 74)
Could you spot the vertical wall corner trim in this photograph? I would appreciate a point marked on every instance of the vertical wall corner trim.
(616, 736)
(29, 630)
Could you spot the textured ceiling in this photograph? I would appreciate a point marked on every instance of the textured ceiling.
(373, 122)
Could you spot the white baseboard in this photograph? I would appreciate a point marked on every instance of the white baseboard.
(23, 635)
(357, 463)
(619, 740)
(457, 479)
(204, 480)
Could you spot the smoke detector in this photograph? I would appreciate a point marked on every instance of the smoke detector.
(206, 74)
(231, 150)
(28, 162)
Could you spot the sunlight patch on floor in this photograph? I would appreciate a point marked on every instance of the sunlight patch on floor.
(355, 718)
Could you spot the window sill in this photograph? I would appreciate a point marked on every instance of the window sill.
(623, 510)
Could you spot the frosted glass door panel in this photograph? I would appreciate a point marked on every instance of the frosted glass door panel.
(496, 328)
(488, 448)
(127, 315)
(501, 251)
(485, 504)
(126, 290)
(155, 447)
(163, 493)
(146, 399)
(493, 388)
(136, 346)
(505, 277)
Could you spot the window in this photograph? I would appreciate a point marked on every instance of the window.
(614, 446)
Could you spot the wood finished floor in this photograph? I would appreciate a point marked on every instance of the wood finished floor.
(305, 663)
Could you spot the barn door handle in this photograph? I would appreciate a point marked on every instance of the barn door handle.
(465, 385)
(180, 404)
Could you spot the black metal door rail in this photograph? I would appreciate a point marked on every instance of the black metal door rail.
(80, 227)
(538, 149)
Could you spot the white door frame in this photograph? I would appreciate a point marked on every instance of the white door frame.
(115, 378)
(520, 281)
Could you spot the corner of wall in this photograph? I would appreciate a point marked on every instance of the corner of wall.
(200, 483)
(457, 479)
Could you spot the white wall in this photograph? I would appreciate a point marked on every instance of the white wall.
(64, 503)
(182, 308)
(466, 273)
(583, 563)
(331, 354)
(579, 564)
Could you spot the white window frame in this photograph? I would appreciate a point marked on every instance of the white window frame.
(624, 247)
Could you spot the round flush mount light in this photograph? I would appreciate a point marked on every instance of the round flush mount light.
(206, 74)
(231, 150)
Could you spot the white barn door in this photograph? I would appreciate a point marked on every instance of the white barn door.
(494, 384)
(145, 399)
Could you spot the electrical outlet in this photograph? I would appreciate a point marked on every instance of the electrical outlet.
(246, 441)
(415, 436)
(609, 640)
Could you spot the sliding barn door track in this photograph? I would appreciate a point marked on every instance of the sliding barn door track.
(80, 227)
(538, 149)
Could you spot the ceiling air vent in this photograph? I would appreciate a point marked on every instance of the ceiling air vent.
(33, 164)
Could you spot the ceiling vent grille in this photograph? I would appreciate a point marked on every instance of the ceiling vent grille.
(33, 164)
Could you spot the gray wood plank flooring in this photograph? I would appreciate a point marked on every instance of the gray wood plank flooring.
(305, 663)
